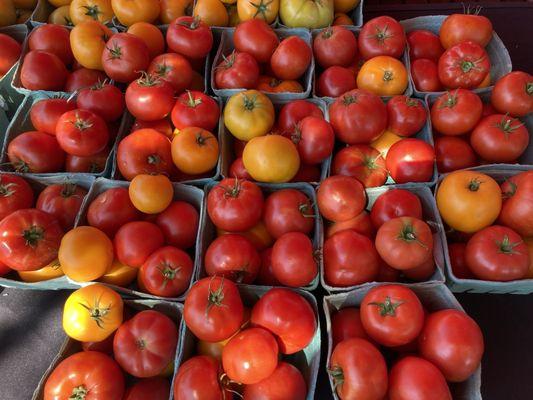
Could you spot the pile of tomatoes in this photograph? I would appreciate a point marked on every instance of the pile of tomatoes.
(393, 344)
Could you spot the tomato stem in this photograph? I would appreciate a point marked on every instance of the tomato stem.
(202, 140)
(33, 235)
(69, 188)
(382, 34)
(147, 79)
(261, 8)
(388, 76)
(474, 184)
(97, 313)
(529, 88)
(191, 101)
(506, 246)
(78, 393)
(408, 234)
(7, 189)
(92, 11)
(387, 308)
(304, 209)
(327, 32)
(337, 375)
(215, 298)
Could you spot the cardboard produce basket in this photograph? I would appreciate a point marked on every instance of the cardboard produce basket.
(434, 297)
(430, 216)
(306, 360)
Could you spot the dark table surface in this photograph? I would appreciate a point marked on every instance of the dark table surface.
(30, 321)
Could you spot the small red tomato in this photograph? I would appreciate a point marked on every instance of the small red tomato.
(341, 198)
(173, 68)
(44, 114)
(238, 70)
(63, 201)
(293, 260)
(382, 36)
(291, 58)
(179, 224)
(105, 100)
(197, 109)
(54, 39)
(124, 57)
(393, 204)
(464, 65)
(361, 162)
(314, 138)
(513, 94)
(410, 160)
(335, 81)
(457, 112)
(149, 98)
(424, 44)
(82, 133)
(425, 75)
(190, 37)
(257, 38)
(407, 116)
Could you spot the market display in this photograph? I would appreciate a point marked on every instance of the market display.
(196, 170)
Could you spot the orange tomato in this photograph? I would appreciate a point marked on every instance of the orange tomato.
(23, 15)
(150, 35)
(267, 10)
(87, 41)
(274, 85)
(172, 9)
(151, 194)
(61, 16)
(212, 12)
(384, 142)
(258, 235)
(90, 10)
(383, 75)
(51, 271)
(342, 19)
(194, 150)
(344, 6)
(8, 15)
(119, 274)
(129, 12)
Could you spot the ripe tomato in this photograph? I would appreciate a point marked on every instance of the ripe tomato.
(392, 315)
(288, 210)
(249, 114)
(257, 38)
(92, 313)
(195, 109)
(151, 194)
(130, 12)
(382, 36)
(213, 309)
(360, 224)
(81, 133)
(35, 152)
(149, 98)
(463, 65)
(145, 151)
(42, 70)
(293, 260)
(335, 45)
(63, 201)
(361, 162)
(200, 375)
(424, 44)
(468, 201)
(286, 382)
(237, 170)
(421, 273)
(499, 138)
(179, 224)
(189, 37)
(84, 372)
(459, 28)
(156, 388)
(384, 142)
(393, 204)
(335, 81)
(516, 210)
(291, 58)
(294, 111)
(425, 75)
(410, 160)
(358, 117)
(340, 198)
(456, 112)
(267, 11)
(346, 324)
(383, 75)
(350, 258)
(104, 100)
(457, 252)
(212, 12)
(145, 344)
(235, 205)
(120, 275)
(453, 153)
(307, 173)
(15, 194)
(135, 241)
(406, 115)
(151, 35)
(266, 276)
(9, 54)
(83, 78)
(52, 39)
(258, 235)
(195, 150)
(358, 370)
(273, 85)
(162, 126)
(88, 40)
(513, 94)
(250, 356)
(173, 68)
(110, 210)
(415, 378)
(238, 70)
(89, 10)
(314, 139)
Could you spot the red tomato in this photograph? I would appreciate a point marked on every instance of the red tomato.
(233, 257)
(464, 65)
(294, 111)
(250, 356)
(386, 273)
(105, 100)
(314, 138)
(361, 162)
(358, 117)
(358, 370)
(9, 53)
(54, 39)
(453, 342)
(517, 207)
(238, 70)
(83, 78)
(335, 81)
(291, 58)
(135, 241)
(266, 275)
(195, 109)
(149, 98)
(458, 28)
(200, 375)
(154, 388)
(82, 133)
(63, 201)
(349, 259)
(146, 344)
(293, 260)
(340, 198)
(410, 160)
(286, 382)
(124, 57)
(395, 203)
(29, 239)
(45, 113)
(35, 152)
(179, 224)
(307, 173)
(15, 194)
(382, 36)
(404, 242)
(497, 253)
(488, 109)
(237, 170)
(457, 252)
(110, 210)
(173, 68)
(144, 151)
(346, 324)
(406, 115)
(190, 37)
(424, 44)
(235, 205)
(513, 94)
(93, 164)
(425, 75)
(257, 38)
(457, 112)
(83, 373)
(415, 378)
(421, 273)
(288, 210)
(161, 125)
(42, 70)
(360, 224)
(453, 153)
(105, 346)
(335, 45)
(499, 138)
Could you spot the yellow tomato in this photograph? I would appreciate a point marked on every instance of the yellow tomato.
(306, 13)
(87, 40)
(271, 158)
(119, 274)
(383, 75)
(92, 313)
(384, 142)
(51, 271)
(8, 15)
(344, 6)
(342, 19)
(151, 194)
(469, 201)
(249, 114)
(59, 3)
(25, 4)
(267, 10)
(172, 9)
(61, 16)
(90, 10)
(258, 235)
(212, 12)
(529, 244)
(85, 253)
(23, 15)
(194, 150)
(150, 35)
(130, 11)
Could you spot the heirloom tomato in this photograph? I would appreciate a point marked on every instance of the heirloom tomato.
(457, 252)
(513, 94)
(190, 37)
(149, 98)
(517, 208)
(314, 138)
(424, 44)
(286, 382)
(407, 116)
(151, 35)
(340, 198)
(425, 74)
(464, 65)
(42, 70)
(257, 38)
(173, 68)
(88, 40)
(194, 150)
(335, 45)
(383, 75)
(288, 210)
(83, 78)
(179, 223)
(51, 271)
(89, 10)
(384, 142)
(196, 109)
(361, 162)
(238, 70)
(212, 12)
(151, 194)
(291, 58)
(63, 201)
(273, 85)
(119, 274)
(53, 39)
(9, 54)
(129, 12)
(81, 133)
(201, 375)
(157, 388)
(360, 224)
(382, 36)
(335, 81)
(293, 112)
(346, 324)
(306, 13)
(410, 160)
(124, 57)
(261, 9)
(15, 194)
(393, 204)
(35, 152)
(293, 260)
(103, 99)
(249, 114)
(458, 28)
(456, 112)
(453, 153)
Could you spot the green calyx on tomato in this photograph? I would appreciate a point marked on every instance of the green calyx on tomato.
(194, 24)
(349, 99)
(191, 101)
(327, 32)
(387, 308)
(382, 34)
(410, 102)
(93, 11)
(115, 52)
(228, 61)
(529, 88)
(232, 191)
(506, 125)
(450, 102)
(474, 185)
(148, 80)
(337, 375)
(82, 124)
(250, 102)
(97, 313)
(78, 393)
(7, 190)
(408, 234)
(506, 246)
(68, 189)
(168, 272)
(215, 297)
(262, 8)
(33, 235)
